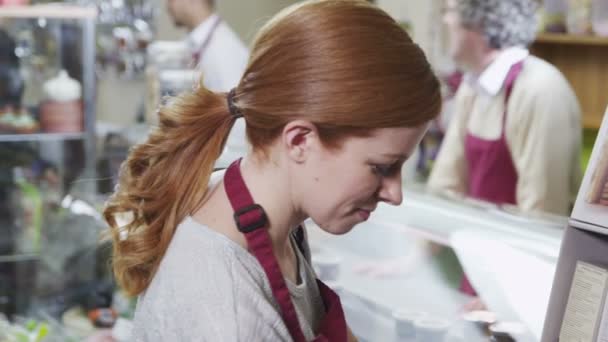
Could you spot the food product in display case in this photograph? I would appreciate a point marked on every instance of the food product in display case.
(14, 118)
(554, 16)
(61, 111)
(578, 17)
(124, 30)
(599, 17)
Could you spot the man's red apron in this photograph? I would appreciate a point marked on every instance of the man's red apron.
(251, 220)
(492, 173)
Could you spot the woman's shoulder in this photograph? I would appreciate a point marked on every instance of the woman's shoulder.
(204, 277)
(195, 263)
(204, 256)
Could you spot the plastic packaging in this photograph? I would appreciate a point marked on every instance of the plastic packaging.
(599, 17)
(554, 16)
(578, 18)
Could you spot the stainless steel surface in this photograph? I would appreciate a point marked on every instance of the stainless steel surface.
(89, 91)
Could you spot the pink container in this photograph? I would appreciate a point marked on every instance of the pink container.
(61, 117)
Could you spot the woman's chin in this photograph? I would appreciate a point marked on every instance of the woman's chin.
(340, 229)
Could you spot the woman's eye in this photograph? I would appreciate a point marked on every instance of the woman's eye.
(382, 170)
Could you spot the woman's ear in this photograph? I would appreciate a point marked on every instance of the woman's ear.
(299, 138)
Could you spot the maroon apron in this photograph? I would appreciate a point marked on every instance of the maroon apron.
(492, 173)
(251, 220)
(196, 57)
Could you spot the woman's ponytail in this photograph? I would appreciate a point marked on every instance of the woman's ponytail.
(164, 180)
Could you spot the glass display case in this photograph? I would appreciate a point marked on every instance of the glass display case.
(585, 241)
(399, 274)
(49, 226)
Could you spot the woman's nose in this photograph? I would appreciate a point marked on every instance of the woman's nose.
(391, 190)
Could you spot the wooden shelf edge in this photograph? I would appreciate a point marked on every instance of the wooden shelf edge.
(563, 38)
(592, 122)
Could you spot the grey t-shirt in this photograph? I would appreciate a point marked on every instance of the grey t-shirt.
(208, 288)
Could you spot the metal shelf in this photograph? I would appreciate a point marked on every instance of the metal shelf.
(41, 137)
(18, 257)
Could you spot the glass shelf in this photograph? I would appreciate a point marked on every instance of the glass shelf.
(41, 137)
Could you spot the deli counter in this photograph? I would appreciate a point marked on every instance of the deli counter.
(398, 274)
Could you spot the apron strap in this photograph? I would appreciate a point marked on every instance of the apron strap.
(509, 82)
(249, 218)
(196, 57)
(333, 327)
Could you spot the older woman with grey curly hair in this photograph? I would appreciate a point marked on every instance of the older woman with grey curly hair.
(515, 135)
(502, 23)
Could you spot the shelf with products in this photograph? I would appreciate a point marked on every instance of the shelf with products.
(584, 62)
(49, 222)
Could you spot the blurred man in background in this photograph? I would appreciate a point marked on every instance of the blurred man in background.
(216, 49)
(220, 56)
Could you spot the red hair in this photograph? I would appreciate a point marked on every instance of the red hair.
(344, 65)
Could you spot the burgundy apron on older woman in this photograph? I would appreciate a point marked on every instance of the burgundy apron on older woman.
(491, 170)
(251, 220)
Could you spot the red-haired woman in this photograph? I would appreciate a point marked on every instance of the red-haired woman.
(335, 97)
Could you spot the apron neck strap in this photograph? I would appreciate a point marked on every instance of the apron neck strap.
(251, 220)
(511, 77)
(248, 215)
(203, 47)
(509, 82)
